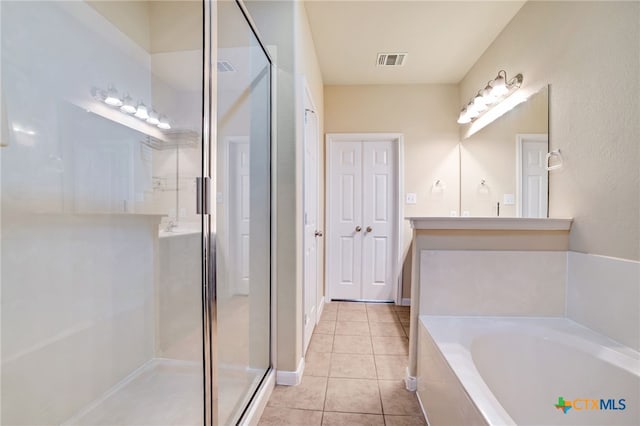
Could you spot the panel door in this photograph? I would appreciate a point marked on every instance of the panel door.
(345, 247)
(378, 220)
(310, 224)
(239, 216)
(534, 178)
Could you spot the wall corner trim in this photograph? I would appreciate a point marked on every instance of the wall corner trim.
(290, 378)
(410, 382)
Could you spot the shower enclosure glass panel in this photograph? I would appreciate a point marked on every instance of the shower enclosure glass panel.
(101, 312)
(243, 215)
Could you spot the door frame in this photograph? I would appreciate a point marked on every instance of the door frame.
(520, 139)
(399, 211)
(308, 103)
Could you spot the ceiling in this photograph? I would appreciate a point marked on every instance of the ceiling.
(443, 39)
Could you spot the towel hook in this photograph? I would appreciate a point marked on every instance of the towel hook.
(555, 153)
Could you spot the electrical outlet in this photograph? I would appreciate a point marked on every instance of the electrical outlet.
(411, 198)
(453, 213)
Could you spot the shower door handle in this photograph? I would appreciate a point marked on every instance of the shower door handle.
(203, 198)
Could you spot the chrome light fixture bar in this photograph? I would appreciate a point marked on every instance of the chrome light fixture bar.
(127, 106)
(496, 91)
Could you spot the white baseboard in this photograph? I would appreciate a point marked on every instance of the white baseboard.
(405, 302)
(255, 410)
(290, 378)
(320, 309)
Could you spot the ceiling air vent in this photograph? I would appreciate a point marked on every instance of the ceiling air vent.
(225, 66)
(391, 59)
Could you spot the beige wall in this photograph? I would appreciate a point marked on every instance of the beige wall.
(285, 29)
(426, 116)
(131, 17)
(589, 52)
(275, 22)
(175, 25)
(308, 68)
(156, 26)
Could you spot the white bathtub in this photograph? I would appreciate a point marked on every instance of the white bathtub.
(515, 369)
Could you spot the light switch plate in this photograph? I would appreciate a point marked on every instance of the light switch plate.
(411, 198)
(509, 199)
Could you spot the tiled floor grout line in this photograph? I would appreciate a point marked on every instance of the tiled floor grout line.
(375, 317)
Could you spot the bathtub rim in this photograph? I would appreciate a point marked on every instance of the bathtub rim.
(457, 353)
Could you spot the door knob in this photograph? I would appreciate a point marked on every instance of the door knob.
(318, 234)
(369, 229)
(358, 229)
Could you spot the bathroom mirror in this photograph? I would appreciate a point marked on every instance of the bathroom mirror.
(503, 166)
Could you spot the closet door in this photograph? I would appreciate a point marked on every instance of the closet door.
(345, 249)
(378, 189)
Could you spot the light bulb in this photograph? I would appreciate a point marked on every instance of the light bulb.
(478, 104)
(141, 111)
(486, 94)
(127, 105)
(112, 97)
(479, 100)
(465, 117)
(153, 118)
(472, 111)
(164, 123)
(499, 87)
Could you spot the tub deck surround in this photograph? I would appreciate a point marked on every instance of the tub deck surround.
(514, 369)
(491, 223)
(489, 255)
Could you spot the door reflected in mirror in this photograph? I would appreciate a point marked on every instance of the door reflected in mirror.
(503, 166)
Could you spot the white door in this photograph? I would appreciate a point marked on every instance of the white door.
(378, 159)
(345, 241)
(362, 185)
(311, 231)
(239, 216)
(534, 176)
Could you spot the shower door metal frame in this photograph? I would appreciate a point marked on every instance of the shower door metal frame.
(209, 319)
(209, 147)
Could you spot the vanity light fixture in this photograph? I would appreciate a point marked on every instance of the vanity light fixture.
(496, 91)
(127, 106)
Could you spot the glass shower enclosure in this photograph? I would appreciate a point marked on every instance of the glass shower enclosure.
(134, 288)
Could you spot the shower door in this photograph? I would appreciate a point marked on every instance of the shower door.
(243, 213)
(102, 249)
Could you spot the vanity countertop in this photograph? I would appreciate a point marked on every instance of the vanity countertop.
(491, 223)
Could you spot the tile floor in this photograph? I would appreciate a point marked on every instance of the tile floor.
(354, 372)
